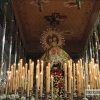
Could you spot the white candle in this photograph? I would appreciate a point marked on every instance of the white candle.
(95, 83)
(52, 87)
(69, 79)
(26, 71)
(28, 83)
(6, 84)
(21, 72)
(47, 79)
(65, 72)
(91, 83)
(81, 78)
(31, 76)
(41, 82)
(37, 87)
(14, 69)
(71, 88)
(74, 76)
(86, 75)
(17, 79)
(78, 85)
(30, 61)
(37, 73)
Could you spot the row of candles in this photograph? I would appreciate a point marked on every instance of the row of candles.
(75, 76)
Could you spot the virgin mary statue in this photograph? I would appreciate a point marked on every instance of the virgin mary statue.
(53, 40)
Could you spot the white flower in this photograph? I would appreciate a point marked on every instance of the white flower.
(4, 96)
(12, 96)
(8, 96)
(32, 98)
(23, 98)
(1, 97)
(84, 99)
(16, 96)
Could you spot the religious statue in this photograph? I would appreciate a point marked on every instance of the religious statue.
(53, 41)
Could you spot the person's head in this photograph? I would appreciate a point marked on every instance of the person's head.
(53, 42)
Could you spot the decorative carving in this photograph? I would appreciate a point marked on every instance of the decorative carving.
(51, 35)
(55, 18)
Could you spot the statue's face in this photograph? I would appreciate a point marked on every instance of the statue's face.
(53, 42)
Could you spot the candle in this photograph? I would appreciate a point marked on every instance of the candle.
(74, 76)
(23, 71)
(93, 76)
(17, 79)
(30, 60)
(15, 85)
(28, 83)
(77, 68)
(91, 83)
(23, 81)
(20, 72)
(14, 69)
(78, 85)
(71, 88)
(81, 78)
(37, 73)
(42, 69)
(31, 76)
(70, 64)
(37, 87)
(25, 75)
(6, 84)
(47, 79)
(69, 79)
(95, 83)
(65, 71)
(42, 66)
(90, 67)
(26, 71)
(86, 75)
(52, 87)
(83, 84)
(41, 84)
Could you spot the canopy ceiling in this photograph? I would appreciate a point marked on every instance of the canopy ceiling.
(76, 26)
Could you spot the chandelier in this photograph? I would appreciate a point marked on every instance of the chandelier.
(67, 3)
